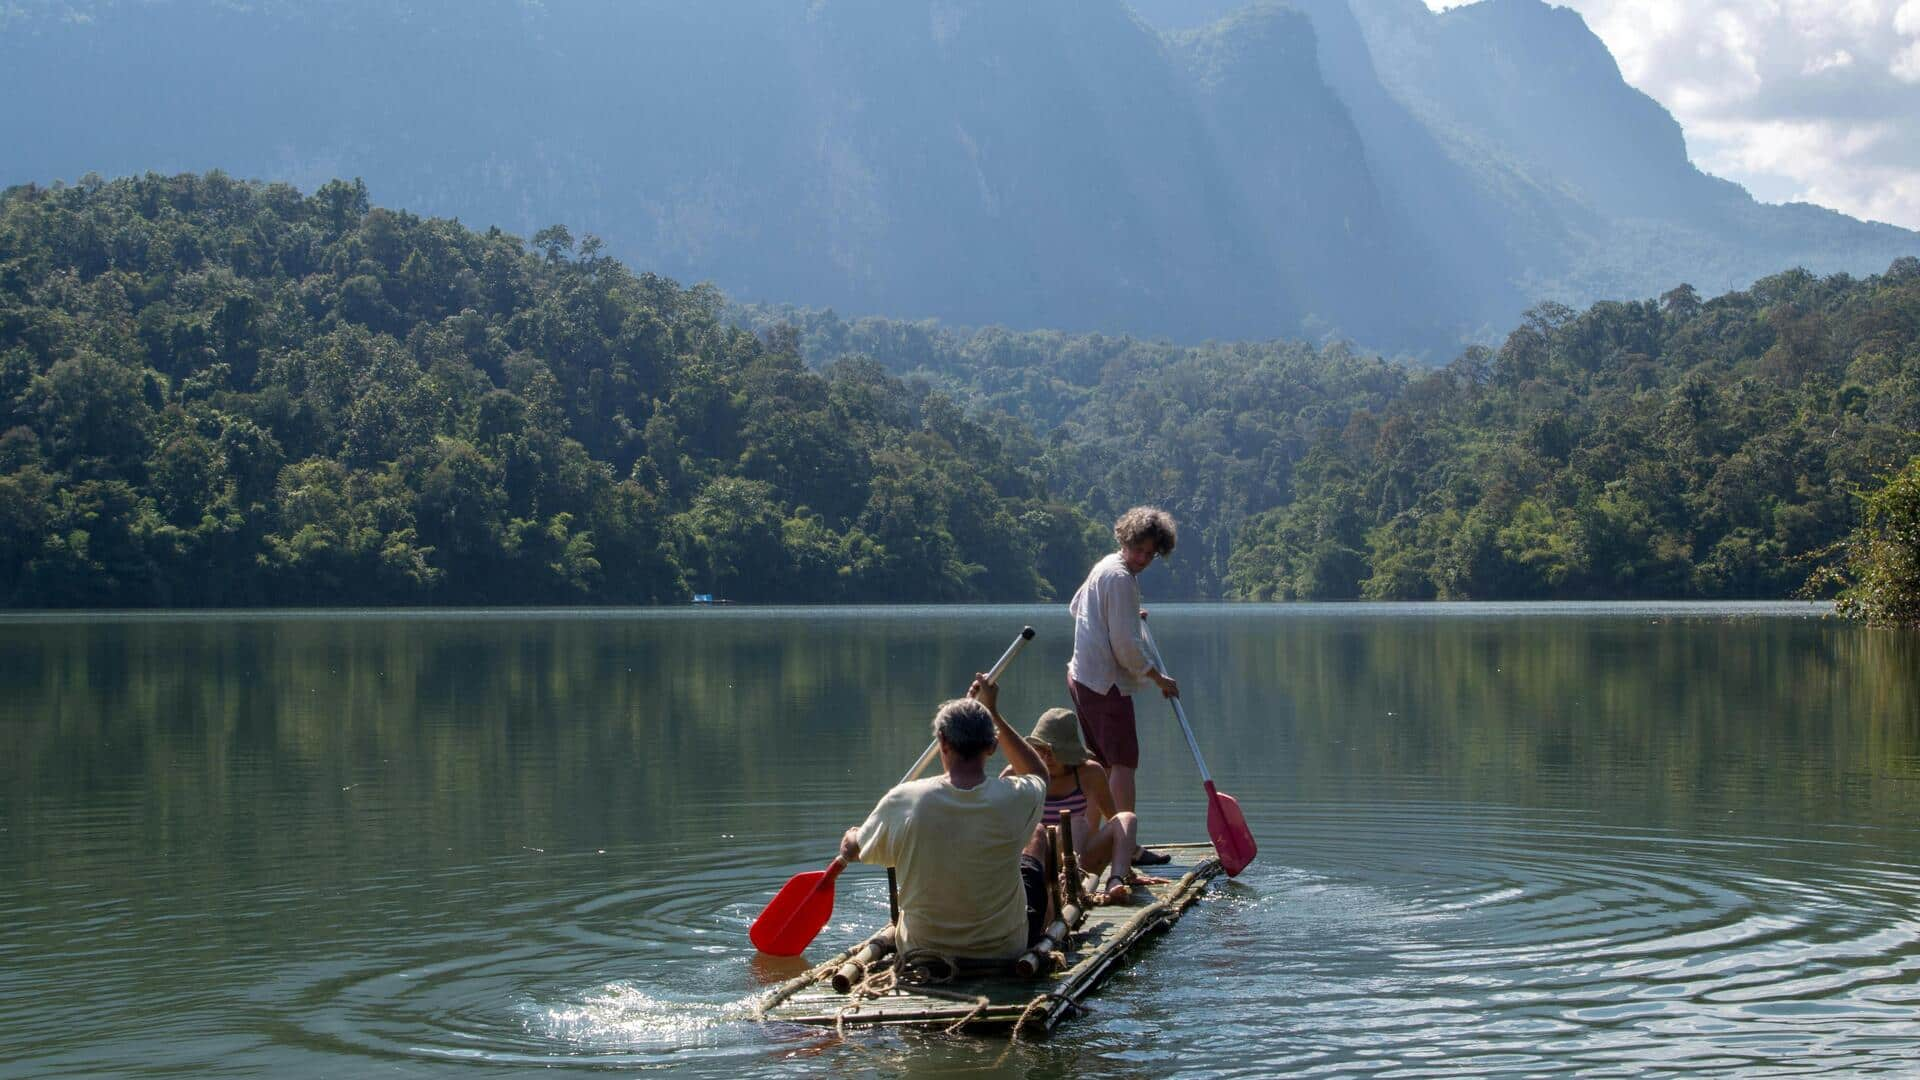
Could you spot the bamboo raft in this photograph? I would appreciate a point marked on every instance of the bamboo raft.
(872, 993)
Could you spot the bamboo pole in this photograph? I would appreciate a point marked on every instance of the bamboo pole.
(1054, 864)
(1039, 960)
(1116, 941)
(1070, 868)
(850, 974)
(792, 986)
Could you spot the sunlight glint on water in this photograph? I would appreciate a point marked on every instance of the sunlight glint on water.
(1515, 840)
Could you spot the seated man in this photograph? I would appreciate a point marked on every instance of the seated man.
(967, 887)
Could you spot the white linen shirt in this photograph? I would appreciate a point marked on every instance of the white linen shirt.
(1107, 650)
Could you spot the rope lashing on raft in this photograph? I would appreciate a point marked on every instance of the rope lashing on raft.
(1027, 1013)
(926, 972)
(1069, 1006)
(1036, 1005)
(919, 964)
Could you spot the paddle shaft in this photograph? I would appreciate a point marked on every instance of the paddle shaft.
(1226, 826)
(796, 914)
(1178, 711)
(993, 676)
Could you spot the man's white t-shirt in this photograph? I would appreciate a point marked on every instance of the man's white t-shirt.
(957, 851)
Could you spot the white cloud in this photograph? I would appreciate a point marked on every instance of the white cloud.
(1906, 65)
(1809, 100)
(1839, 58)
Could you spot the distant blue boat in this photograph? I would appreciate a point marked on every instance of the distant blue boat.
(703, 598)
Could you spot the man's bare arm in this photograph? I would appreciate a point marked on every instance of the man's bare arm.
(1020, 754)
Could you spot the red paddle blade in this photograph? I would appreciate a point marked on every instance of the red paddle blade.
(795, 915)
(1227, 828)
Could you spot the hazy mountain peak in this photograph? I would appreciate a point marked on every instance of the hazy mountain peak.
(1373, 169)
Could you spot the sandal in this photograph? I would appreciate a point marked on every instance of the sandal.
(1111, 890)
(1150, 857)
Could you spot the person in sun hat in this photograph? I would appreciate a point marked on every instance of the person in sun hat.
(1109, 663)
(1103, 835)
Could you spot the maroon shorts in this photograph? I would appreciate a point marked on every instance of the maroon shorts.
(1106, 722)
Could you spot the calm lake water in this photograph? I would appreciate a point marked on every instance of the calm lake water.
(1619, 839)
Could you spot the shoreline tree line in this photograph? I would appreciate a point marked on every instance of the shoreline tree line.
(217, 393)
(1673, 448)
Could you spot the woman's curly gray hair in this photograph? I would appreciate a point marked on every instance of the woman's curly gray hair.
(965, 726)
(1147, 523)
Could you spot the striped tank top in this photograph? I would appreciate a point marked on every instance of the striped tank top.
(1075, 801)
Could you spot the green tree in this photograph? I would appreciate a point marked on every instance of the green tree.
(1882, 556)
(95, 414)
(732, 540)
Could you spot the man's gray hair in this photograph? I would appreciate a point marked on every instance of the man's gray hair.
(1150, 524)
(966, 725)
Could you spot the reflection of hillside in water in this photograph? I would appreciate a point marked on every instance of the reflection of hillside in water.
(460, 737)
(438, 741)
(1559, 841)
(1799, 719)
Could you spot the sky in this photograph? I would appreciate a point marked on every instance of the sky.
(1797, 100)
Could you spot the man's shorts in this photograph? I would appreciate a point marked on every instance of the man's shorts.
(1033, 880)
(1106, 722)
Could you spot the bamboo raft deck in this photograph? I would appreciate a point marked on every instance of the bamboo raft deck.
(997, 1001)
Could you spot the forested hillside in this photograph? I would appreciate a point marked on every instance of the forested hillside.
(1361, 170)
(217, 393)
(1679, 447)
(223, 393)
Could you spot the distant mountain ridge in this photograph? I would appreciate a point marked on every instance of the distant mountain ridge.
(1502, 131)
(1406, 179)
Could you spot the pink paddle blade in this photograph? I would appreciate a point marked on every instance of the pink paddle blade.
(795, 915)
(1227, 828)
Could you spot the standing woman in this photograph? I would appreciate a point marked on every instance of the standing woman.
(1109, 664)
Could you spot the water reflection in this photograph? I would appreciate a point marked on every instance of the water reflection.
(1518, 839)
(1796, 719)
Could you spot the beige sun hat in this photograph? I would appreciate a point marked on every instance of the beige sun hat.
(1059, 731)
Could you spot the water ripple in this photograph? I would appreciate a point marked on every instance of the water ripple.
(1424, 939)
(1398, 940)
